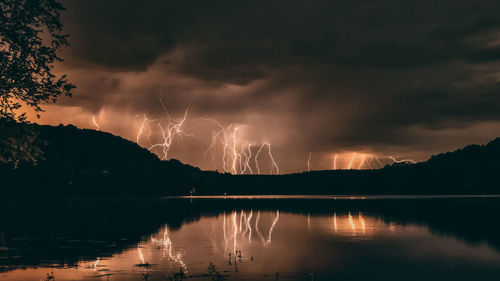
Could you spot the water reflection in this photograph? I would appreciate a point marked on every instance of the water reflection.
(165, 244)
(243, 240)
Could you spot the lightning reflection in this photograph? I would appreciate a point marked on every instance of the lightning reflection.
(238, 226)
(168, 249)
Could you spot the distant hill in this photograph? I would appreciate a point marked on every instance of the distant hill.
(470, 170)
(82, 162)
(473, 169)
(88, 162)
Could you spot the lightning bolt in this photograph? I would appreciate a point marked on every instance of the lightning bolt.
(352, 160)
(95, 123)
(309, 162)
(247, 158)
(362, 161)
(173, 128)
(236, 154)
(256, 157)
(141, 128)
(402, 161)
(378, 161)
(274, 166)
(358, 161)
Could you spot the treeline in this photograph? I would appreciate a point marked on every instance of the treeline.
(81, 162)
(471, 170)
(93, 163)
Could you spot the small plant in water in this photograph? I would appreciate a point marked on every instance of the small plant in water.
(178, 276)
(214, 273)
(50, 277)
(145, 276)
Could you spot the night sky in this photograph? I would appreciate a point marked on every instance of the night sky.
(397, 78)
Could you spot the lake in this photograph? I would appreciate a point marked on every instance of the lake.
(251, 238)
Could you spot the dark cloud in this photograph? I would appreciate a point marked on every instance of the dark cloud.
(311, 75)
(228, 34)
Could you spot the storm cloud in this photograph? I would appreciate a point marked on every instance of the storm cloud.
(392, 77)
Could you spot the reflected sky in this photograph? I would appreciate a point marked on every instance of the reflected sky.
(254, 244)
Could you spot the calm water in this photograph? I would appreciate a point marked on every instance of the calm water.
(258, 239)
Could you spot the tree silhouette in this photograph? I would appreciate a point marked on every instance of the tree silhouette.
(18, 143)
(30, 40)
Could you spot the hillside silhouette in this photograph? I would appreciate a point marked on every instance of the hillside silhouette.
(83, 162)
(88, 162)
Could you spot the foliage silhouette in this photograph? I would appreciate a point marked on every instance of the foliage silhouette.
(93, 163)
(30, 40)
(19, 144)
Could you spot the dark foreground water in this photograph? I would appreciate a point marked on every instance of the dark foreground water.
(361, 238)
